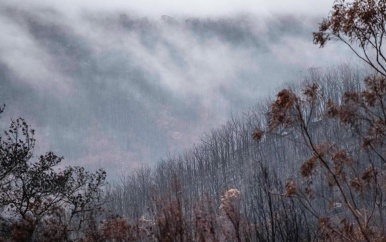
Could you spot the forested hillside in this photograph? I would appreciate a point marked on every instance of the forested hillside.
(306, 165)
(271, 188)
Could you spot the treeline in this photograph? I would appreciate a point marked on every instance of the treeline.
(286, 171)
(308, 165)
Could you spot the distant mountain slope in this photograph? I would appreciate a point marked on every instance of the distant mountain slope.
(111, 88)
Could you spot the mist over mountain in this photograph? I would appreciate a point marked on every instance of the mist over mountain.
(117, 90)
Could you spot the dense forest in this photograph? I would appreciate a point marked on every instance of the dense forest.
(306, 165)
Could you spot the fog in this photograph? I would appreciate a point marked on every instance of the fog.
(198, 8)
(122, 85)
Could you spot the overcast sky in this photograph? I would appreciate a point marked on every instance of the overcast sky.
(197, 8)
(114, 84)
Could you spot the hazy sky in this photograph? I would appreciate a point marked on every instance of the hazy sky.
(117, 84)
(197, 8)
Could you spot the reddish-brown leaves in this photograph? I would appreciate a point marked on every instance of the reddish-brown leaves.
(280, 113)
(307, 167)
(257, 134)
(290, 188)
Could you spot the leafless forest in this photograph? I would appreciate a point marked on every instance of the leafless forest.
(305, 165)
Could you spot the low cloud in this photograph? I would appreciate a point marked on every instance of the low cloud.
(111, 87)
